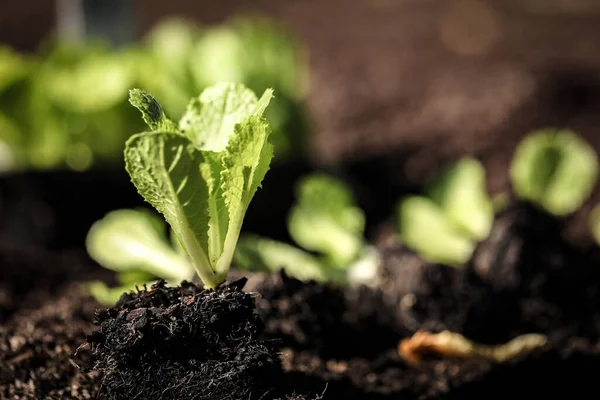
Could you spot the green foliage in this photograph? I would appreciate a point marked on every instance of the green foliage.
(203, 176)
(133, 244)
(67, 106)
(183, 59)
(328, 226)
(445, 225)
(554, 169)
(326, 219)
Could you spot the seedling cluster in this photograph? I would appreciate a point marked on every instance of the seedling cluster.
(553, 169)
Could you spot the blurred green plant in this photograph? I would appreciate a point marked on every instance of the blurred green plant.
(134, 244)
(328, 226)
(66, 106)
(456, 212)
(555, 170)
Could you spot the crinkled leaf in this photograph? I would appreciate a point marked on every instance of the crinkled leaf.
(203, 182)
(128, 240)
(247, 160)
(461, 192)
(425, 228)
(554, 169)
(210, 119)
(152, 112)
(165, 168)
(225, 121)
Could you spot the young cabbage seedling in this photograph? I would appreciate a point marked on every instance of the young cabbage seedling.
(325, 221)
(555, 170)
(456, 212)
(202, 172)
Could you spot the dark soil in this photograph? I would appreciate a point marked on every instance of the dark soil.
(341, 342)
(203, 344)
(37, 344)
(29, 276)
(521, 280)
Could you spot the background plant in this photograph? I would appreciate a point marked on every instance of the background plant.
(445, 224)
(329, 228)
(66, 106)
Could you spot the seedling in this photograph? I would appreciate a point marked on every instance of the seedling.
(200, 174)
(555, 170)
(329, 227)
(456, 212)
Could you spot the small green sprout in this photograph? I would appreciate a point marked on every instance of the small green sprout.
(328, 226)
(200, 174)
(554, 169)
(456, 212)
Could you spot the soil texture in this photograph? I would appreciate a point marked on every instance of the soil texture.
(203, 344)
(316, 340)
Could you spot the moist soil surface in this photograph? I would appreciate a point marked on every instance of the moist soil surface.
(341, 344)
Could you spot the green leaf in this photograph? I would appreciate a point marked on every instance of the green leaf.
(152, 112)
(203, 182)
(555, 169)
(128, 241)
(425, 228)
(255, 253)
(325, 219)
(165, 168)
(210, 119)
(461, 193)
(247, 160)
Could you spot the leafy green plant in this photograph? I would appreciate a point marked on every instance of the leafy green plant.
(555, 170)
(445, 224)
(328, 226)
(200, 174)
(66, 106)
(69, 109)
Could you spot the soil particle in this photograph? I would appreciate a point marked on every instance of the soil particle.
(203, 344)
(36, 348)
